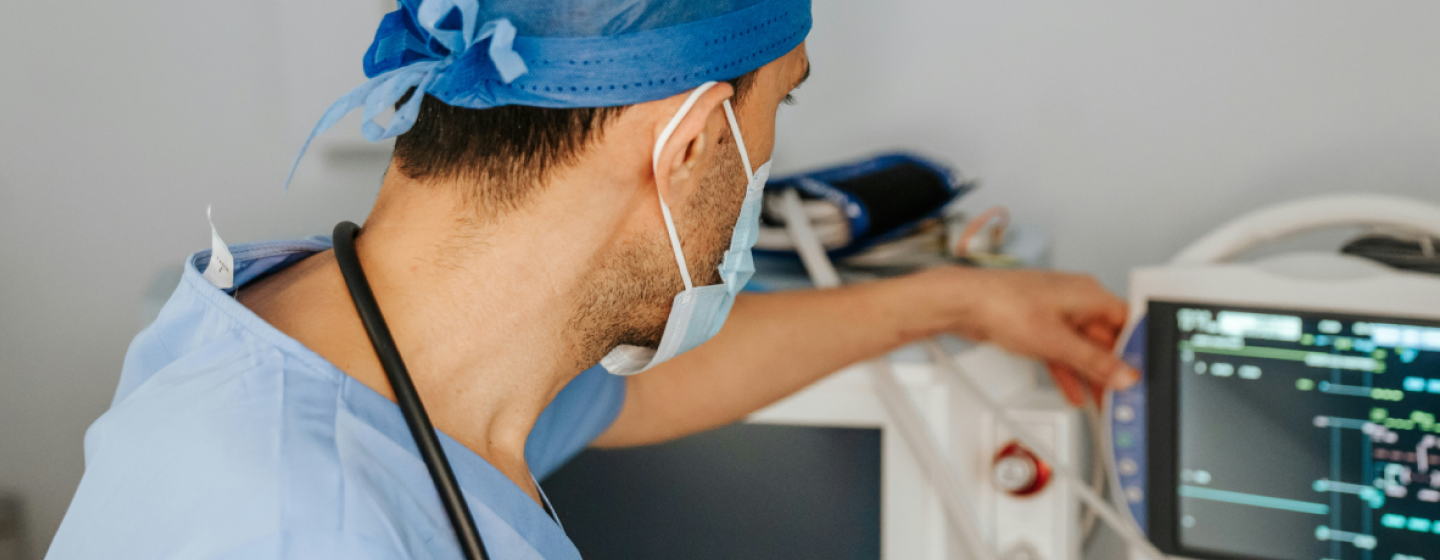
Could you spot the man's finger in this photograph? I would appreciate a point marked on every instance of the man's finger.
(1107, 338)
(1090, 360)
(1101, 334)
(1069, 385)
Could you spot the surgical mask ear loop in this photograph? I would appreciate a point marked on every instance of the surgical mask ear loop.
(655, 169)
(739, 142)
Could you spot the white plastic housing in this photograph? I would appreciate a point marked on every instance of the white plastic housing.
(913, 522)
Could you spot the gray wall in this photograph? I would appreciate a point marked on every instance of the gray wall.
(1129, 127)
(1124, 127)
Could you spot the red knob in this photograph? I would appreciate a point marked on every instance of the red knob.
(1019, 472)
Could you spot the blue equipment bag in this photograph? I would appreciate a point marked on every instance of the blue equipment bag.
(880, 199)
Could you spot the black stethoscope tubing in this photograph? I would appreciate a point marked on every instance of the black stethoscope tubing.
(405, 394)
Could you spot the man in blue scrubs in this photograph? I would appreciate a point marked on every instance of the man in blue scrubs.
(516, 243)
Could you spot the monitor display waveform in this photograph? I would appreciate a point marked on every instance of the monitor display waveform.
(1316, 433)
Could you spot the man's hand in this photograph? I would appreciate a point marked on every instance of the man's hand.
(1069, 321)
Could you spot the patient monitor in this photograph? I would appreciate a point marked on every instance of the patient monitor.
(1288, 408)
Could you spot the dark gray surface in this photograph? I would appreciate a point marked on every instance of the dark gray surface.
(743, 491)
(13, 544)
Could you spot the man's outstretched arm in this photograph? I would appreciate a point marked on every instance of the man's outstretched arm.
(775, 344)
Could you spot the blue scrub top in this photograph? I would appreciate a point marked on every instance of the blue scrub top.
(229, 439)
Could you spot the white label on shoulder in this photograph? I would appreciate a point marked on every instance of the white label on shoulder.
(221, 269)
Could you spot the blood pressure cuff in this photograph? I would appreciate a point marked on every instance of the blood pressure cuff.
(878, 199)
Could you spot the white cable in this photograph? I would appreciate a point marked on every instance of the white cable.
(956, 501)
(1098, 466)
(912, 425)
(1290, 218)
(807, 244)
(902, 411)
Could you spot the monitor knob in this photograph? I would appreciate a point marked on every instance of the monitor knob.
(1019, 472)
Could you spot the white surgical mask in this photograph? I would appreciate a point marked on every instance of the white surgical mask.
(697, 313)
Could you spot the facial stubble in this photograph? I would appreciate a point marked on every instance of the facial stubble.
(630, 299)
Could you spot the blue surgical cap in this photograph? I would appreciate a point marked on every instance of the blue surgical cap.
(560, 53)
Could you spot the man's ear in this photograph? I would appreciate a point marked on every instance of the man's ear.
(677, 170)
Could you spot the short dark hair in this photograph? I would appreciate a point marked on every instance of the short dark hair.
(504, 150)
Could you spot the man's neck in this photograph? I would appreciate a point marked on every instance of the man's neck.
(484, 314)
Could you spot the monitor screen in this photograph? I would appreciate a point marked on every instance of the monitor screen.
(742, 491)
(1294, 434)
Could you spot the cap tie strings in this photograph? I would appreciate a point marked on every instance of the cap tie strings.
(437, 18)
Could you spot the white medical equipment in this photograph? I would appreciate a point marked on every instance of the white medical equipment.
(1288, 404)
(1039, 519)
(1048, 530)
